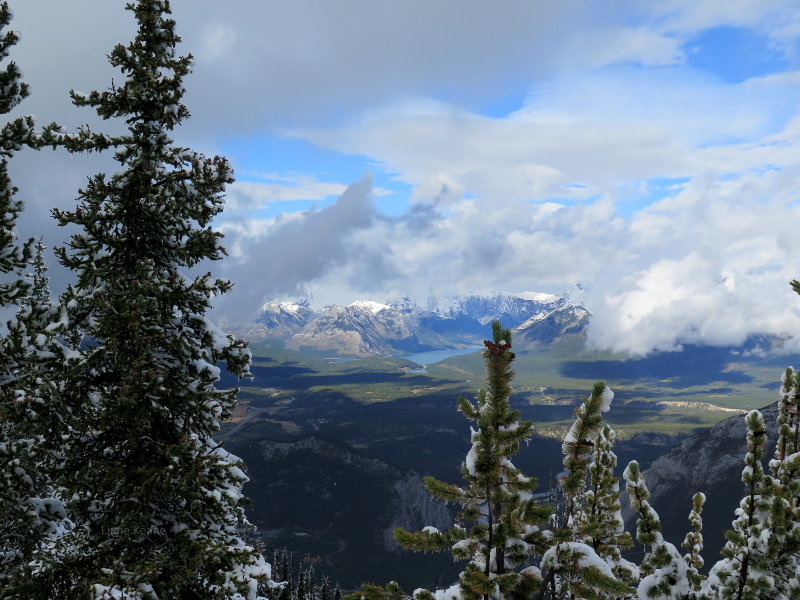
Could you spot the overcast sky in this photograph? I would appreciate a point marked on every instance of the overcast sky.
(430, 148)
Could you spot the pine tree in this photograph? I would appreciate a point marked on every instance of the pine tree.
(694, 542)
(503, 518)
(155, 500)
(26, 515)
(14, 135)
(599, 522)
(745, 570)
(663, 568)
(572, 565)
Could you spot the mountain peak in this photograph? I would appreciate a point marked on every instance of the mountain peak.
(370, 305)
(277, 306)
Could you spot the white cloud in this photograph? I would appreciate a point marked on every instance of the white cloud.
(281, 256)
(603, 47)
(249, 195)
(600, 131)
(523, 202)
(710, 264)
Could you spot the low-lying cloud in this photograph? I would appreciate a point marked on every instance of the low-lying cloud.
(293, 252)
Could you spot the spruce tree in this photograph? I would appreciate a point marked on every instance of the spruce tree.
(664, 570)
(156, 502)
(586, 541)
(694, 543)
(27, 515)
(746, 571)
(498, 529)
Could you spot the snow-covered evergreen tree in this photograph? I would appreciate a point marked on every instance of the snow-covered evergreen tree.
(573, 567)
(13, 135)
(30, 513)
(664, 570)
(499, 527)
(599, 521)
(156, 502)
(783, 551)
(746, 571)
(694, 543)
(26, 514)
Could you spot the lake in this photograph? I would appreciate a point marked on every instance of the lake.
(432, 356)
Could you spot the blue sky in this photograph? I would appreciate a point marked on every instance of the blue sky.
(647, 149)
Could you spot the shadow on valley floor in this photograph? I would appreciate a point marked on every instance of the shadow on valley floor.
(359, 377)
(300, 377)
(692, 367)
(265, 376)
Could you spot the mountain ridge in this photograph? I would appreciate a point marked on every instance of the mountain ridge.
(367, 327)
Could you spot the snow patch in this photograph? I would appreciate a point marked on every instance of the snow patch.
(370, 305)
(607, 396)
(539, 297)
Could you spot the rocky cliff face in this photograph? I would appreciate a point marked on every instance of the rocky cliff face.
(414, 509)
(359, 328)
(564, 324)
(278, 321)
(342, 503)
(709, 462)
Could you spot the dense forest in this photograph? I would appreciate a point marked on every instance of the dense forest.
(113, 486)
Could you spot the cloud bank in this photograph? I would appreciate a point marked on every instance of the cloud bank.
(540, 144)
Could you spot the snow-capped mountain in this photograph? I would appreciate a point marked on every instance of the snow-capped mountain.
(465, 320)
(278, 321)
(510, 309)
(370, 327)
(363, 327)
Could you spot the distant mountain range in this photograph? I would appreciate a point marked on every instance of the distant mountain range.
(366, 327)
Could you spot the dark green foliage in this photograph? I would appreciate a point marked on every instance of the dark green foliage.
(13, 136)
(155, 501)
(497, 530)
(584, 559)
(694, 542)
(27, 512)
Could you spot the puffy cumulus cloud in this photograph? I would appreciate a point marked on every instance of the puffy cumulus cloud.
(710, 264)
(427, 253)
